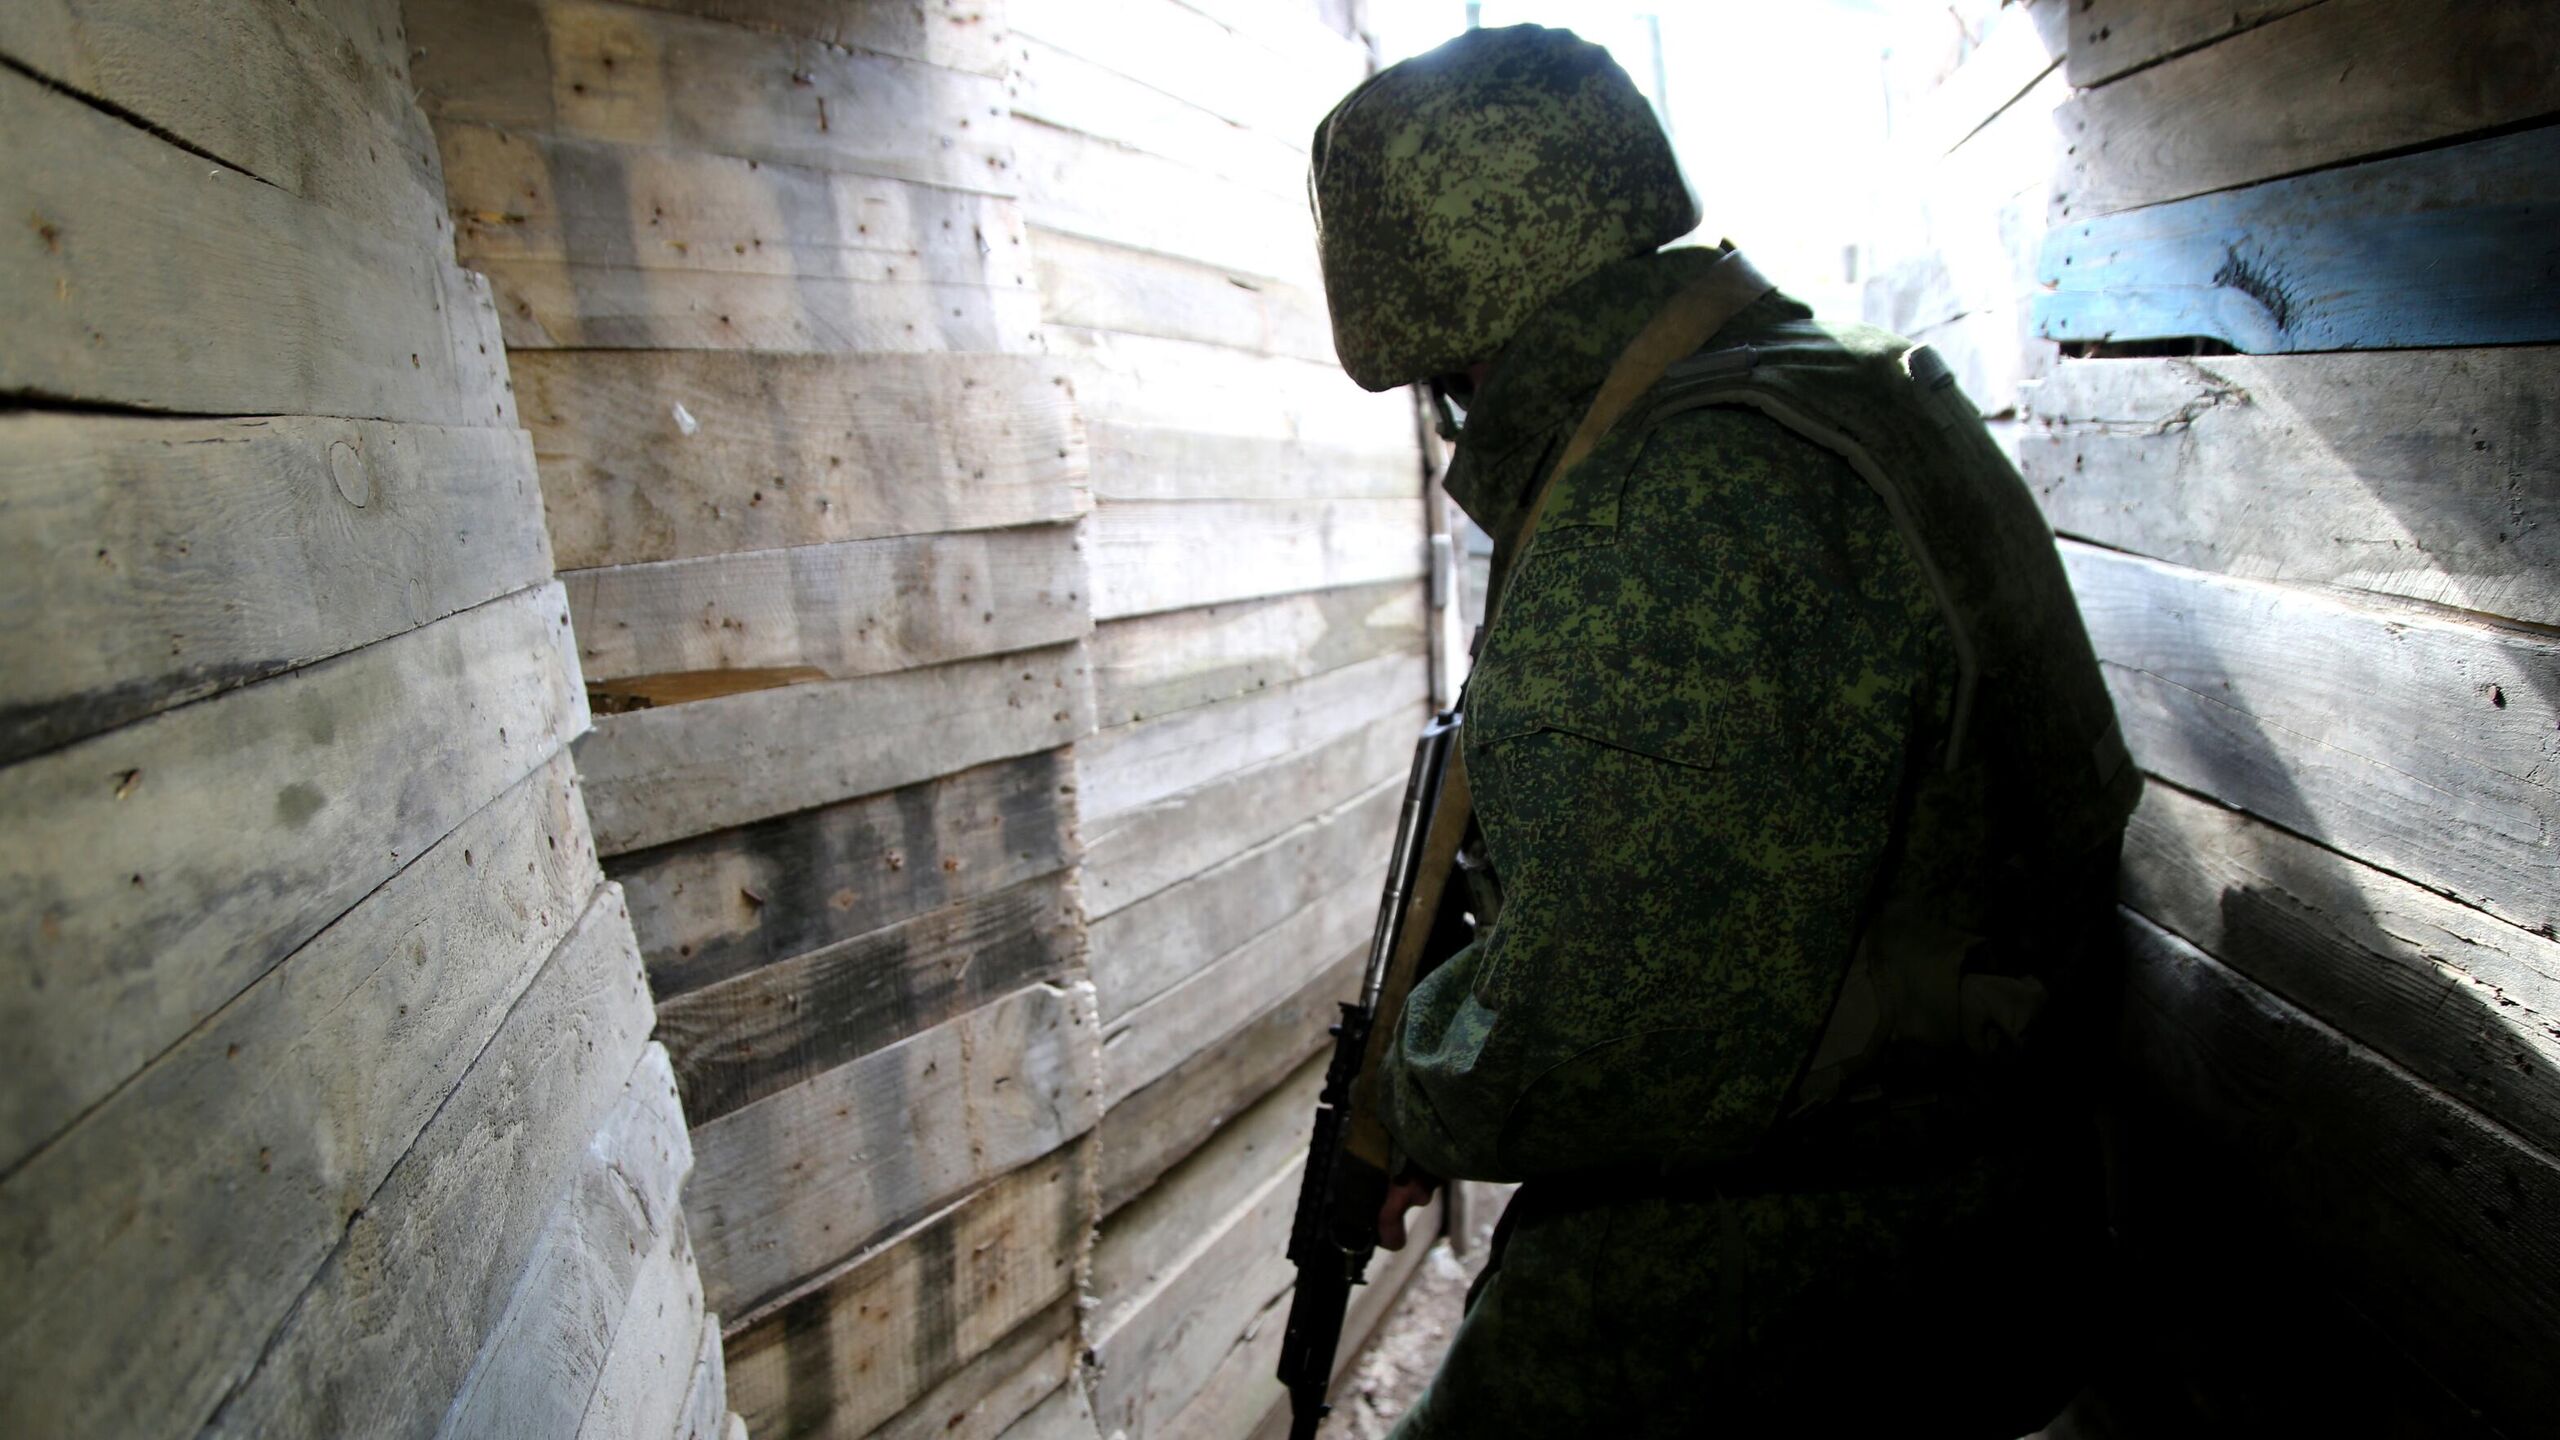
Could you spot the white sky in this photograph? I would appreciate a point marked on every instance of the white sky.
(1777, 108)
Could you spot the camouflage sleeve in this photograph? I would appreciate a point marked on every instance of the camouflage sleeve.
(1686, 738)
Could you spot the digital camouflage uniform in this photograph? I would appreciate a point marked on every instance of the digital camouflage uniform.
(1723, 741)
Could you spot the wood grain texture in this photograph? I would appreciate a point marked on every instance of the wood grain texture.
(589, 70)
(1059, 88)
(801, 1180)
(1149, 1131)
(311, 99)
(1153, 1239)
(148, 563)
(762, 1032)
(1165, 426)
(2447, 247)
(1145, 1042)
(665, 774)
(850, 1351)
(642, 1390)
(131, 928)
(1271, 72)
(1142, 950)
(290, 1104)
(2421, 1214)
(847, 608)
(1105, 286)
(2463, 1001)
(2420, 744)
(2111, 37)
(595, 244)
(2427, 474)
(1136, 853)
(720, 905)
(1155, 664)
(998, 1387)
(605, 1249)
(1129, 766)
(1262, 547)
(385, 1336)
(792, 449)
(1075, 184)
(285, 307)
(2321, 85)
(955, 34)
(1066, 1415)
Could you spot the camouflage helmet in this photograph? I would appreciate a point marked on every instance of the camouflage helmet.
(1459, 191)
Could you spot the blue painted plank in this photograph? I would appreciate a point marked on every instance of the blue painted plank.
(2459, 246)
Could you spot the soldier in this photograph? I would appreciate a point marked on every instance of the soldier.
(1797, 799)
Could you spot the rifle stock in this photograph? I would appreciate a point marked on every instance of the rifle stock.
(1350, 1156)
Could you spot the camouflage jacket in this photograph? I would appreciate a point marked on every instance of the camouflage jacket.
(1690, 735)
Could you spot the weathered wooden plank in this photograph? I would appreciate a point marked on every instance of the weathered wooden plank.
(283, 307)
(596, 244)
(2326, 83)
(1156, 664)
(955, 34)
(599, 1257)
(2110, 37)
(801, 1180)
(706, 1396)
(2000, 66)
(642, 1390)
(846, 608)
(664, 774)
(1071, 92)
(291, 1104)
(586, 70)
(2464, 1002)
(2420, 744)
(2443, 1227)
(386, 1334)
(313, 100)
(1145, 1042)
(1151, 1240)
(659, 456)
(1166, 425)
(986, 1396)
(2448, 247)
(1077, 185)
(1140, 951)
(720, 905)
(1263, 547)
(1105, 286)
(1161, 1353)
(1282, 79)
(850, 1352)
(769, 1029)
(1129, 766)
(129, 928)
(1146, 1133)
(1066, 1415)
(2427, 474)
(1135, 853)
(146, 563)
(1245, 1388)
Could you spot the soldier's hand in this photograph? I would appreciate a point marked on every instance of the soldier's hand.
(1404, 1194)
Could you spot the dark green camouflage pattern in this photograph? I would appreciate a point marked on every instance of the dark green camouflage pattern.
(1458, 191)
(1705, 737)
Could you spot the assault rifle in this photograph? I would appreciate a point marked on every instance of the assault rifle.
(1350, 1159)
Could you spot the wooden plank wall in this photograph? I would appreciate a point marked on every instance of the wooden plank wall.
(2320, 575)
(1261, 661)
(1003, 620)
(332, 1108)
